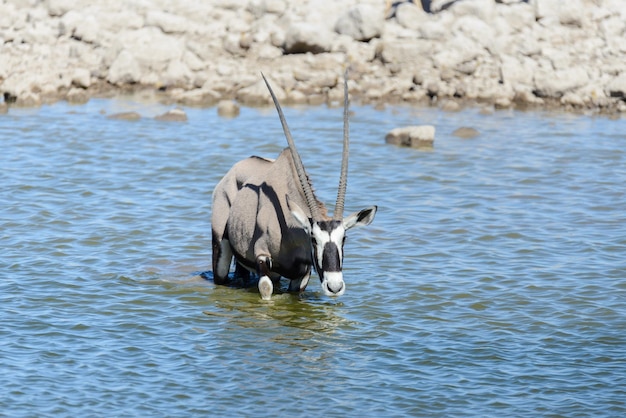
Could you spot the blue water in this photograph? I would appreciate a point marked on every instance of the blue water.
(491, 283)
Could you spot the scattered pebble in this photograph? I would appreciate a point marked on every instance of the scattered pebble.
(174, 115)
(131, 116)
(466, 132)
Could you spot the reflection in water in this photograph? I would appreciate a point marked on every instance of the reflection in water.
(301, 327)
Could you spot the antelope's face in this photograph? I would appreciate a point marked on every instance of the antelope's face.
(327, 241)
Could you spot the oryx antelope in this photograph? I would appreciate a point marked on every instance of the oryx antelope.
(266, 215)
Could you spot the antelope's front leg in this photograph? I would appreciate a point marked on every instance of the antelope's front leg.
(298, 285)
(266, 287)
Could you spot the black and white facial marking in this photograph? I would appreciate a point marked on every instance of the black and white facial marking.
(327, 238)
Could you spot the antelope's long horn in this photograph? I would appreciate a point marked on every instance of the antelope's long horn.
(306, 187)
(343, 179)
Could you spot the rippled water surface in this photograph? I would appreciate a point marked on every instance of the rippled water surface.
(491, 283)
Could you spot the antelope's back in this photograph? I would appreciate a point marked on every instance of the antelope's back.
(226, 190)
(260, 221)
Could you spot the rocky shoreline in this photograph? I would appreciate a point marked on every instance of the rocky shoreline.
(503, 54)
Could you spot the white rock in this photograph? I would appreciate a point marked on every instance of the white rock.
(152, 48)
(617, 86)
(557, 83)
(124, 69)
(87, 29)
(168, 22)
(574, 13)
(517, 69)
(517, 16)
(198, 97)
(257, 94)
(406, 52)
(476, 29)
(177, 74)
(412, 136)
(60, 7)
(457, 51)
(305, 37)
(362, 23)
(482, 9)
(68, 23)
(265, 51)
(193, 61)
(411, 16)
(260, 7)
(439, 5)
(573, 99)
(81, 77)
(116, 21)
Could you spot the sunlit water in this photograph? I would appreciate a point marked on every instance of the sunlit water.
(491, 283)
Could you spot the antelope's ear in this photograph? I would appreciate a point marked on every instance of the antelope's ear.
(360, 218)
(299, 214)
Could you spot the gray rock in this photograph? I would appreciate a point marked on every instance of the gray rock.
(466, 132)
(362, 23)
(450, 106)
(130, 116)
(174, 115)
(28, 99)
(412, 136)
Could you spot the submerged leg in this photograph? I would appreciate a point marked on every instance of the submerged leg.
(222, 258)
(242, 273)
(266, 287)
(298, 285)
